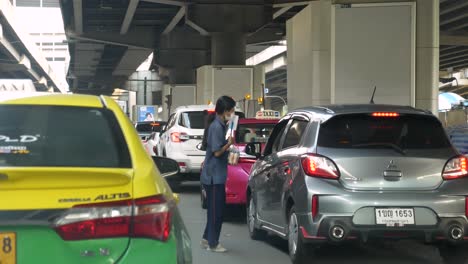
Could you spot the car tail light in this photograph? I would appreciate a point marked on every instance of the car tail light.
(321, 167)
(385, 114)
(456, 168)
(147, 217)
(315, 206)
(179, 137)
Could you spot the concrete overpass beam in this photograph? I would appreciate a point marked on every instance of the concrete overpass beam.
(180, 52)
(326, 36)
(228, 48)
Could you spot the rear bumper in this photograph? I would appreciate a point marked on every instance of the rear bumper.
(444, 230)
(141, 250)
(436, 214)
(188, 164)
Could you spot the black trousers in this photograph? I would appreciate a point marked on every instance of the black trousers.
(215, 202)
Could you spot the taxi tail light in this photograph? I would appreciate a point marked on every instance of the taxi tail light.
(178, 137)
(147, 217)
(456, 168)
(320, 167)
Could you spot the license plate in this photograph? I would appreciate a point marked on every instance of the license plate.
(7, 248)
(395, 217)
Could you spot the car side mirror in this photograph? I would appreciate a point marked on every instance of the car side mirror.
(167, 167)
(254, 149)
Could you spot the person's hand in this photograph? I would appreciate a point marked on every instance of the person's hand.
(230, 141)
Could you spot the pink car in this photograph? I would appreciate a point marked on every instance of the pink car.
(248, 130)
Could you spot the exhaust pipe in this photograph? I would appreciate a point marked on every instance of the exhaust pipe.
(456, 233)
(337, 233)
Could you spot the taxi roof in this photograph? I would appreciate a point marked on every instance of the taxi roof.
(58, 100)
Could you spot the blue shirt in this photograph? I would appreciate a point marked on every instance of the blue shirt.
(215, 168)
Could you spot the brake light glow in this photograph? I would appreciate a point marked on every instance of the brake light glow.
(178, 137)
(315, 206)
(385, 114)
(456, 168)
(319, 166)
(148, 217)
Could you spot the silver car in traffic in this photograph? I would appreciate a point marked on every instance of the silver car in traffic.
(355, 172)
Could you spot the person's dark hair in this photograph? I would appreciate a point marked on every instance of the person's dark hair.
(209, 118)
(224, 103)
(148, 114)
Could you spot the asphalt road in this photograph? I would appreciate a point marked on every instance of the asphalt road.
(274, 250)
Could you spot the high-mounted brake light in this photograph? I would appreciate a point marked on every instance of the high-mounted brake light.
(146, 217)
(178, 137)
(456, 168)
(319, 166)
(385, 114)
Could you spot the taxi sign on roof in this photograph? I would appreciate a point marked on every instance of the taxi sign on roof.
(268, 114)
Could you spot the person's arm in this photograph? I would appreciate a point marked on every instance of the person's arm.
(218, 143)
(220, 152)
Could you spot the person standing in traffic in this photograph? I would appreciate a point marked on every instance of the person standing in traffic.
(214, 172)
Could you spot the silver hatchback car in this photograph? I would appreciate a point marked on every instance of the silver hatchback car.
(349, 172)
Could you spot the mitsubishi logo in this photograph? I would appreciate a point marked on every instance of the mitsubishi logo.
(392, 166)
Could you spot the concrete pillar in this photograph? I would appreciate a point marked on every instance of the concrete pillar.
(228, 48)
(317, 64)
(308, 56)
(182, 75)
(427, 55)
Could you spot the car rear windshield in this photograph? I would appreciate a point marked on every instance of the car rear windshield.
(366, 131)
(55, 136)
(247, 133)
(193, 120)
(149, 127)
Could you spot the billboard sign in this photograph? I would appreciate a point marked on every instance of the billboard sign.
(146, 113)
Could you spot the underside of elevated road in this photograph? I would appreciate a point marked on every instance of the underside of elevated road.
(19, 57)
(109, 38)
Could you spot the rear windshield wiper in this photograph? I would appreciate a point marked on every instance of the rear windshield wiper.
(390, 145)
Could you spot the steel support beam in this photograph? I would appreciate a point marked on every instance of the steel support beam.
(281, 12)
(167, 2)
(292, 4)
(454, 40)
(78, 15)
(132, 6)
(175, 20)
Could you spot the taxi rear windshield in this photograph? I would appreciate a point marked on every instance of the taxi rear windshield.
(366, 131)
(55, 136)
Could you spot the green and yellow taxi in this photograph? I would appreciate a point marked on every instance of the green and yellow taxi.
(76, 186)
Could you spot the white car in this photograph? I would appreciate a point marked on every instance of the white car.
(180, 137)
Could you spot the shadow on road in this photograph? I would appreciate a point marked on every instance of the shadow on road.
(381, 252)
